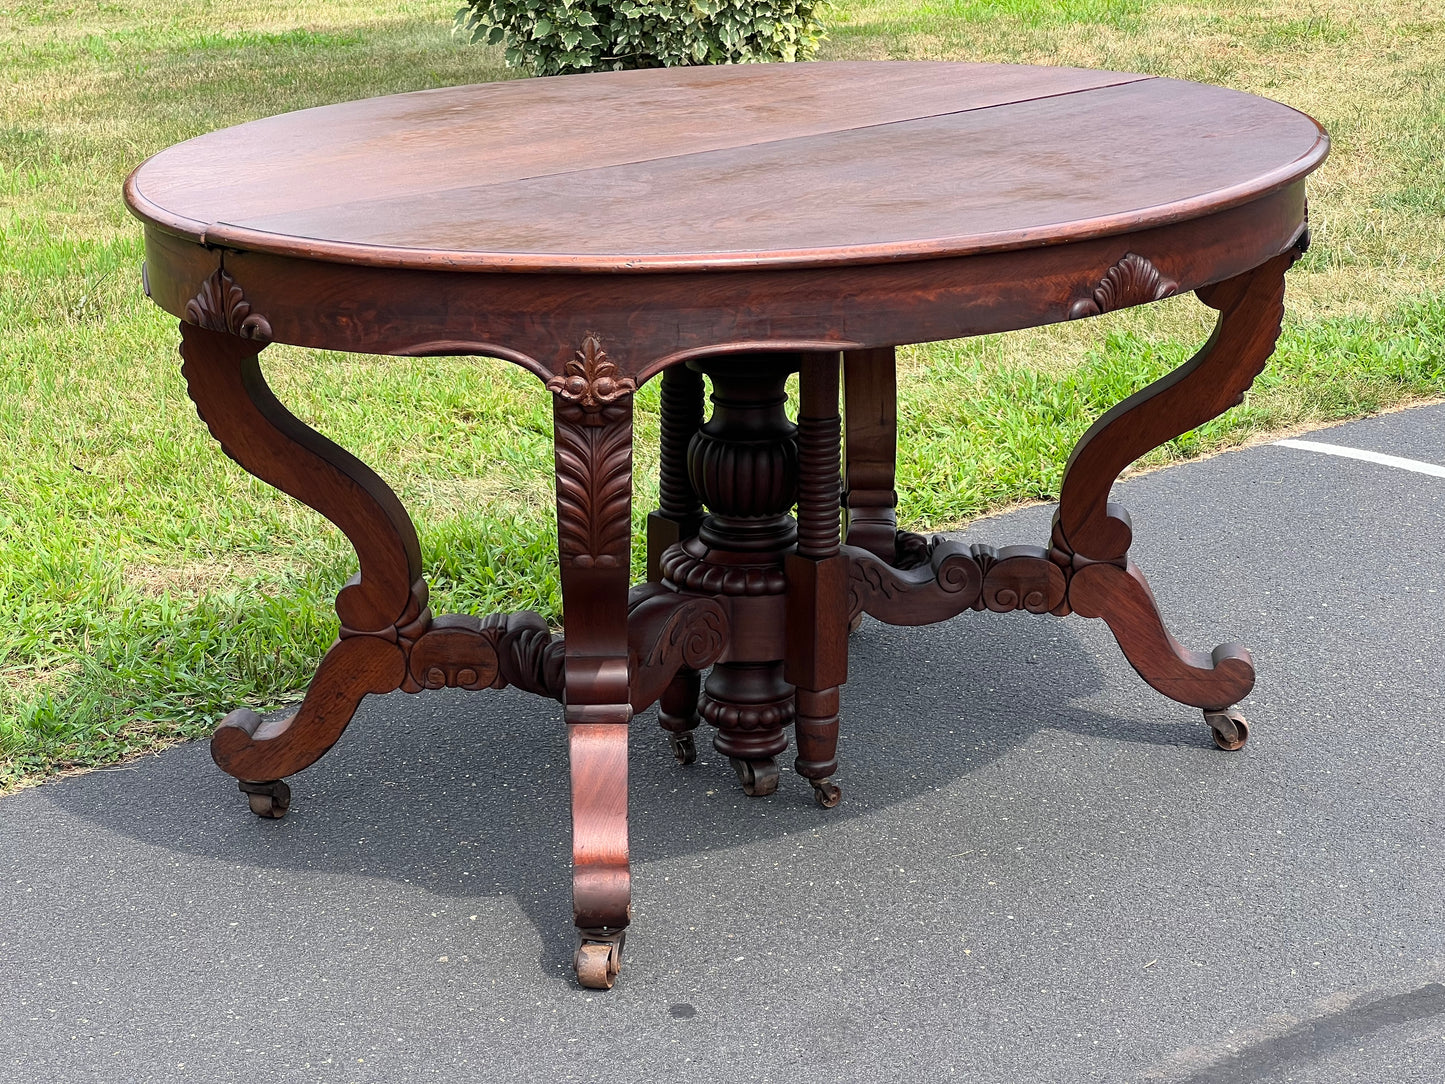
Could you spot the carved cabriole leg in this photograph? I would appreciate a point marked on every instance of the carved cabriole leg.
(1087, 569)
(592, 423)
(817, 615)
(1093, 535)
(384, 605)
(870, 396)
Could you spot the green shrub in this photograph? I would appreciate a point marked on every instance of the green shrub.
(557, 36)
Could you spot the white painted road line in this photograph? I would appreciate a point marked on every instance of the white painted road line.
(1416, 465)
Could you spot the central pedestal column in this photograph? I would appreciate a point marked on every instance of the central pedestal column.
(743, 463)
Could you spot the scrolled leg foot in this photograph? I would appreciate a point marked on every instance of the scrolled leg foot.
(759, 777)
(1121, 596)
(270, 798)
(598, 960)
(1093, 536)
(601, 877)
(1229, 727)
(249, 747)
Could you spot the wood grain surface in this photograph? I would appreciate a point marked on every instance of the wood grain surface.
(767, 165)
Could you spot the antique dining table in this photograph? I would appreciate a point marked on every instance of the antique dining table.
(719, 229)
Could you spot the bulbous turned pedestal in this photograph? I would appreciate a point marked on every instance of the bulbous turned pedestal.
(750, 704)
(743, 461)
(743, 464)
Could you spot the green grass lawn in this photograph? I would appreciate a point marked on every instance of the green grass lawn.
(149, 585)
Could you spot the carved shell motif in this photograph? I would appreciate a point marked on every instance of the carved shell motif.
(222, 306)
(1131, 281)
(591, 379)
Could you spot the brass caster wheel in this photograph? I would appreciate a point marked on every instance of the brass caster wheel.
(1229, 728)
(826, 793)
(684, 748)
(598, 964)
(269, 799)
(759, 777)
(855, 623)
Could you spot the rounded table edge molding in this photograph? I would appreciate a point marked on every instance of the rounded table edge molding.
(539, 321)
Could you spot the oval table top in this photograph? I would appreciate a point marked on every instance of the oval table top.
(751, 166)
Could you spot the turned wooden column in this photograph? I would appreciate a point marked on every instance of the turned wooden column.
(678, 516)
(381, 609)
(679, 510)
(1094, 535)
(817, 656)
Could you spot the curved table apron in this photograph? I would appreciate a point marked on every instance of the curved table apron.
(743, 224)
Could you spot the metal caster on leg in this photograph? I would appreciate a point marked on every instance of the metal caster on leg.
(759, 777)
(684, 748)
(599, 959)
(677, 712)
(270, 799)
(1228, 726)
(826, 793)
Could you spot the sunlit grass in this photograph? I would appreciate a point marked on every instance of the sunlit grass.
(149, 584)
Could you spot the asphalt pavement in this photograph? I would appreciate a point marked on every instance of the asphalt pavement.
(1041, 870)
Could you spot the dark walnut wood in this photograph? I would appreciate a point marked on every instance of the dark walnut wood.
(679, 512)
(871, 423)
(1131, 281)
(738, 224)
(816, 612)
(743, 463)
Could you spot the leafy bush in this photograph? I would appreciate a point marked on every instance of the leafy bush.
(557, 36)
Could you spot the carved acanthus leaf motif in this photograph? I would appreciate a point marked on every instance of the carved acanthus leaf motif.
(591, 380)
(594, 491)
(529, 655)
(221, 306)
(1131, 281)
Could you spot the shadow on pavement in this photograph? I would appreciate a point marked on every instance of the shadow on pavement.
(465, 794)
